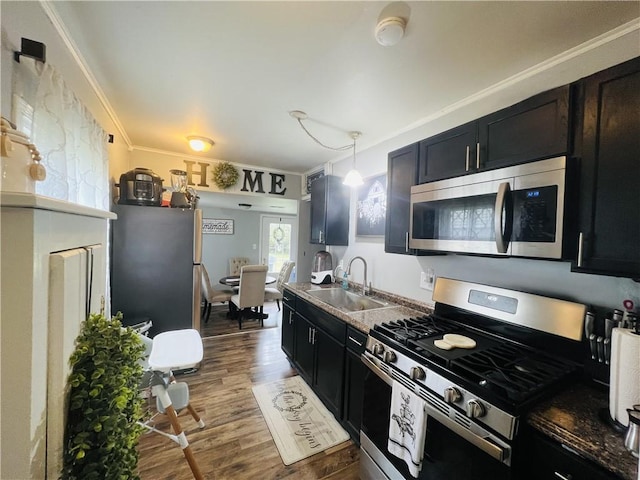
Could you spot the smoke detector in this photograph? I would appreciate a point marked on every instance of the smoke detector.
(390, 31)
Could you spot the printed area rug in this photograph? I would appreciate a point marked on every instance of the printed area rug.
(299, 423)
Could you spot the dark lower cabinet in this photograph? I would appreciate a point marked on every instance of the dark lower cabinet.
(288, 322)
(304, 349)
(354, 373)
(326, 353)
(610, 173)
(547, 459)
(319, 353)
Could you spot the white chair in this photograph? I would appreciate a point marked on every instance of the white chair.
(251, 291)
(236, 263)
(212, 295)
(275, 293)
(176, 349)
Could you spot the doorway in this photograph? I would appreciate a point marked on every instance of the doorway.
(278, 241)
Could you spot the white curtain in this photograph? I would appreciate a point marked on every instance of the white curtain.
(72, 144)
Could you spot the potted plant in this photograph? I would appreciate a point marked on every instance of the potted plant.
(104, 404)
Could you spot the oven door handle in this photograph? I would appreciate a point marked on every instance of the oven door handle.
(486, 445)
(375, 369)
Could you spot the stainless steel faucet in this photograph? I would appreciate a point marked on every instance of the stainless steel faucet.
(364, 282)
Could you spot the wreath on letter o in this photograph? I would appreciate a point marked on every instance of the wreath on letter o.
(225, 175)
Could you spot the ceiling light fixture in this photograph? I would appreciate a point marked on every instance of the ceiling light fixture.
(199, 144)
(353, 178)
(390, 31)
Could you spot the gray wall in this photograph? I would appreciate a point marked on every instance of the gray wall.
(306, 250)
(217, 249)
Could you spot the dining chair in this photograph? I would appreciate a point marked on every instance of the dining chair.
(275, 293)
(251, 292)
(236, 263)
(211, 295)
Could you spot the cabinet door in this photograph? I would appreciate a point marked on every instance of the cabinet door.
(533, 129)
(402, 174)
(288, 330)
(353, 393)
(548, 459)
(318, 210)
(304, 350)
(329, 370)
(610, 174)
(329, 211)
(448, 154)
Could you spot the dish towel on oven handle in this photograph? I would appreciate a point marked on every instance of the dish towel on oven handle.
(407, 427)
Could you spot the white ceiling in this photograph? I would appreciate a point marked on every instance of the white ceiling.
(233, 70)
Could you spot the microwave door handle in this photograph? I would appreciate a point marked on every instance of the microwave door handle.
(502, 210)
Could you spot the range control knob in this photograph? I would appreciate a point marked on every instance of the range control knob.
(452, 395)
(389, 356)
(475, 409)
(378, 349)
(417, 373)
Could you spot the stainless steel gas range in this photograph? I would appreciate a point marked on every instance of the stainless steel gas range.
(516, 348)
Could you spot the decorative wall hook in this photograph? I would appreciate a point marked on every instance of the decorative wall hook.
(31, 49)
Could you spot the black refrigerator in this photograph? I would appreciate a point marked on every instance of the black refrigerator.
(155, 266)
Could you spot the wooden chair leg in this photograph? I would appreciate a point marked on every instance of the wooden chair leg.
(195, 416)
(261, 316)
(240, 314)
(278, 302)
(165, 400)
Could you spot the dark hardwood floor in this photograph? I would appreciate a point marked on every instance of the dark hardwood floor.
(236, 443)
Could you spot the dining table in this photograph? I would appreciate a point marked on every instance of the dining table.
(234, 280)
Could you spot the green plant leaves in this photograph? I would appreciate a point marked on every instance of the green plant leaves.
(104, 405)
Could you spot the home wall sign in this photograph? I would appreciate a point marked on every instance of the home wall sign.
(371, 207)
(217, 226)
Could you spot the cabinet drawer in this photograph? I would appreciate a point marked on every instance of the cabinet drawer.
(289, 299)
(356, 340)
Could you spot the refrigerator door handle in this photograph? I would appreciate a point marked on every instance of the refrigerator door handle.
(197, 236)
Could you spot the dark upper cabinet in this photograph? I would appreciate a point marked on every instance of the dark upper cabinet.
(329, 211)
(532, 129)
(402, 174)
(610, 173)
(535, 128)
(448, 154)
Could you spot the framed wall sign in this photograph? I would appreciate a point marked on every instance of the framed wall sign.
(217, 226)
(371, 207)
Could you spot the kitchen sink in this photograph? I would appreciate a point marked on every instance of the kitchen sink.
(340, 298)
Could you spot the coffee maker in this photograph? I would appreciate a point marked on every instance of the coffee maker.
(322, 271)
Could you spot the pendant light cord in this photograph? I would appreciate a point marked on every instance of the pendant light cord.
(337, 149)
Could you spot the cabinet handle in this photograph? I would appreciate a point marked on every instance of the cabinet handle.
(466, 163)
(580, 246)
(406, 241)
(313, 336)
(290, 318)
(568, 476)
(309, 335)
(320, 237)
(478, 155)
(355, 341)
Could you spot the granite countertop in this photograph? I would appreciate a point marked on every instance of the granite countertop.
(397, 307)
(571, 418)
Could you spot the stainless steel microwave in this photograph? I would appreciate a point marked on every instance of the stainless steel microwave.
(517, 211)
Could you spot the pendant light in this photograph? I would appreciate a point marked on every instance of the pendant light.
(353, 178)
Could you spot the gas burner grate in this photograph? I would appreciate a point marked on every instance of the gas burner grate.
(414, 329)
(513, 371)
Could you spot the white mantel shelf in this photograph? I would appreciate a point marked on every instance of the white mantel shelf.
(39, 202)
